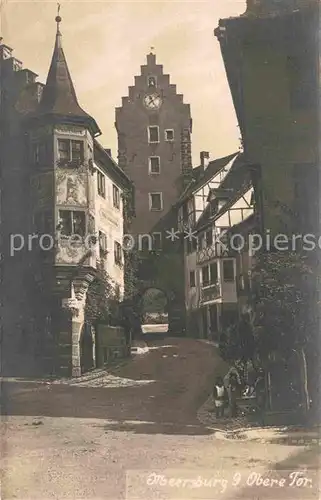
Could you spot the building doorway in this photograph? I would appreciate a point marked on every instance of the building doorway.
(87, 361)
(214, 322)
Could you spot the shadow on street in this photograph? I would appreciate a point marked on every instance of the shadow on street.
(168, 385)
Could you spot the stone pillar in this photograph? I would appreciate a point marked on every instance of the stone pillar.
(94, 346)
(76, 306)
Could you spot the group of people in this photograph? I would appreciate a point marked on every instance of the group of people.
(226, 393)
(226, 396)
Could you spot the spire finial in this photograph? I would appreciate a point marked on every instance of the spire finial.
(58, 18)
(152, 50)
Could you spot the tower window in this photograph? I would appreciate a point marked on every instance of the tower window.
(154, 165)
(169, 135)
(153, 133)
(69, 150)
(155, 201)
(116, 197)
(151, 81)
(117, 253)
(101, 186)
(72, 222)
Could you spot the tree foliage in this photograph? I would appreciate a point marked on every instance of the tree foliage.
(237, 342)
(283, 307)
(102, 298)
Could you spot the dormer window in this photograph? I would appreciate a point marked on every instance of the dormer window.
(151, 81)
(70, 150)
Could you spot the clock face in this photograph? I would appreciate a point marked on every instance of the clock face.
(152, 101)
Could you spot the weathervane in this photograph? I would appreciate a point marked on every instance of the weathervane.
(58, 18)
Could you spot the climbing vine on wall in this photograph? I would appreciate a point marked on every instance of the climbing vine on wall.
(102, 301)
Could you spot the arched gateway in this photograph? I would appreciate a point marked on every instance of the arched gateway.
(173, 307)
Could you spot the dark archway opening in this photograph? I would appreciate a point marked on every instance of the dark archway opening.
(86, 349)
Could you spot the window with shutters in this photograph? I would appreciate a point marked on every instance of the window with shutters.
(101, 185)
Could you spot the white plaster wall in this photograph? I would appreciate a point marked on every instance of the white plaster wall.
(191, 294)
(110, 221)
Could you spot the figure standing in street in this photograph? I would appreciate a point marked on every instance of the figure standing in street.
(260, 391)
(219, 395)
(233, 392)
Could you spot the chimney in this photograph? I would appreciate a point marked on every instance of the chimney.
(108, 151)
(205, 158)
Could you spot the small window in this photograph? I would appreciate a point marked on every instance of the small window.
(157, 241)
(116, 197)
(63, 149)
(213, 272)
(151, 80)
(72, 222)
(205, 276)
(117, 253)
(169, 135)
(154, 165)
(209, 238)
(153, 133)
(192, 282)
(101, 184)
(228, 270)
(102, 245)
(77, 150)
(155, 201)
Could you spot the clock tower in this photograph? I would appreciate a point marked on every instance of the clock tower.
(154, 144)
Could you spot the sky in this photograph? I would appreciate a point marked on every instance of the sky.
(106, 42)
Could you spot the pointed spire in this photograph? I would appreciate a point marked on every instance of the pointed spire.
(59, 96)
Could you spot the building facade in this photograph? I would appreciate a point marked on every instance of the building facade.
(154, 129)
(274, 46)
(219, 202)
(61, 216)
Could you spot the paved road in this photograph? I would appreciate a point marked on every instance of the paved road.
(125, 434)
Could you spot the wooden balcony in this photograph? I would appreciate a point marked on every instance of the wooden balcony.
(210, 292)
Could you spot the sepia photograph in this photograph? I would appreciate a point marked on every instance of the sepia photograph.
(160, 249)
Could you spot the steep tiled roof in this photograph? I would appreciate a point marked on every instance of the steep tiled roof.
(59, 96)
(207, 217)
(238, 175)
(201, 178)
(236, 182)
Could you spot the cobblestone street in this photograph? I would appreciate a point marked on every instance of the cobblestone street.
(104, 435)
